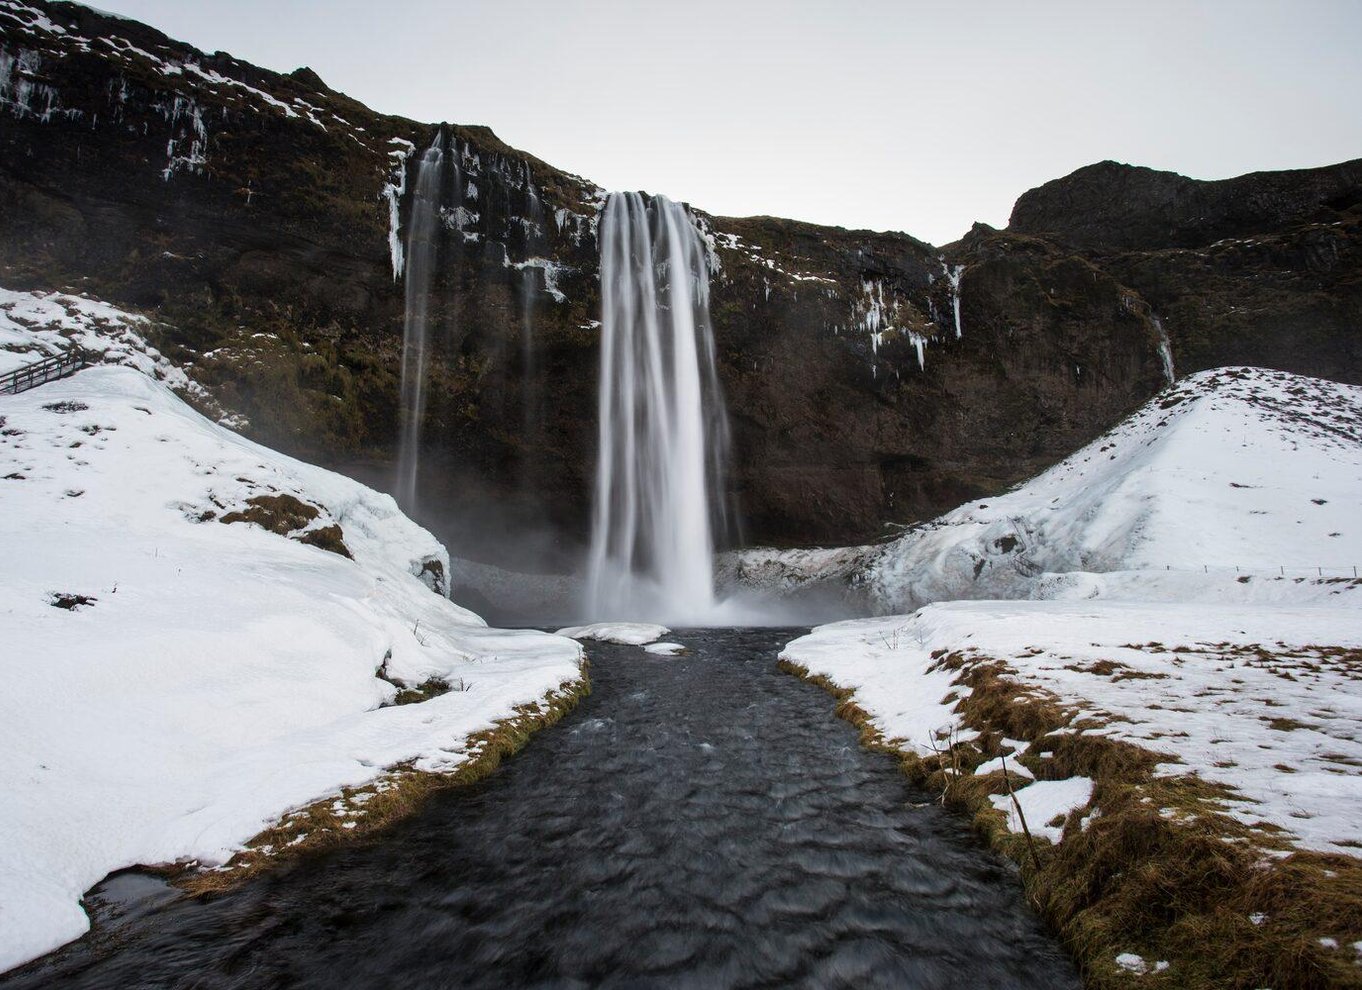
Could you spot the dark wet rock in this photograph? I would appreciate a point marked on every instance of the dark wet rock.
(1262, 269)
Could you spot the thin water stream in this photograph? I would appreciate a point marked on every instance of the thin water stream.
(700, 821)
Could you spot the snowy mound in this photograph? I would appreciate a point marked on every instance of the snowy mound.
(195, 629)
(665, 649)
(624, 633)
(1242, 474)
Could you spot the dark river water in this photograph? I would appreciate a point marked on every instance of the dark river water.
(699, 821)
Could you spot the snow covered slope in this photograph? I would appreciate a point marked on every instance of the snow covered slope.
(1228, 486)
(189, 652)
(35, 325)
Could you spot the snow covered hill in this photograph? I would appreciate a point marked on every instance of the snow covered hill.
(1198, 613)
(201, 634)
(1231, 485)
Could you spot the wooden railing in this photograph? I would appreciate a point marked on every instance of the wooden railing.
(39, 372)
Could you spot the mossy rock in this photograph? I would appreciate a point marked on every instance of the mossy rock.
(285, 515)
(280, 514)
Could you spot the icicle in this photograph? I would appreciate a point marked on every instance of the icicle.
(953, 275)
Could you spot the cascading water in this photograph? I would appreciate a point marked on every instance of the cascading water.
(532, 398)
(1165, 352)
(421, 250)
(663, 430)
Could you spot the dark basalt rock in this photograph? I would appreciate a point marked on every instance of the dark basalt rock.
(246, 211)
(1262, 269)
(1112, 207)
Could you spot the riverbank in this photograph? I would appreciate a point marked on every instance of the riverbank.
(1188, 776)
(202, 634)
(355, 813)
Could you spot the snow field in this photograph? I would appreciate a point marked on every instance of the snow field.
(1245, 697)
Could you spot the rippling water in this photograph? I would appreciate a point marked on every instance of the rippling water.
(700, 821)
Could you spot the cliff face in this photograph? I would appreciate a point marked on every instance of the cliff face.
(870, 377)
(1264, 269)
(1110, 207)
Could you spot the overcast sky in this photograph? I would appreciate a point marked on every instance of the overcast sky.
(922, 117)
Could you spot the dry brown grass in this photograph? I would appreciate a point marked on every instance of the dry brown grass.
(1157, 867)
(284, 515)
(1000, 703)
(359, 812)
(848, 710)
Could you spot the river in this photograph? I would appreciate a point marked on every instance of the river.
(699, 821)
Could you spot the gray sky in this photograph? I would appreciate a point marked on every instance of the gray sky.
(909, 116)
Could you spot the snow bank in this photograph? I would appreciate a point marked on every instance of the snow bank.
(1239, 473)
(174, 682)
(1191, 591)
(625, 633)
(821, 580)
(1254, 697)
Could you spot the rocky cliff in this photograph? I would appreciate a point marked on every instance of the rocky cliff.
(1263, 269)
(870, 377)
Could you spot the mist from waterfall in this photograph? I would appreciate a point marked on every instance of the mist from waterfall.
(422, 242)
(663, 442)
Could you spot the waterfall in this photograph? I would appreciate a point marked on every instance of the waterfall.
(663, 431)
(1165, 351)
(422, 240)
(532, 396)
